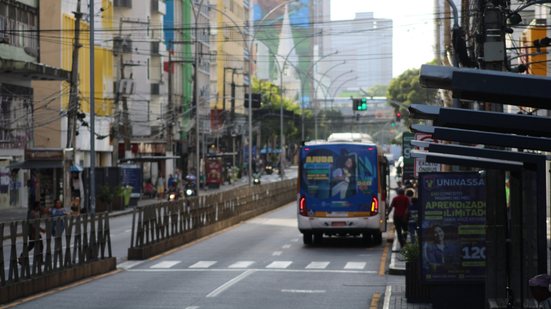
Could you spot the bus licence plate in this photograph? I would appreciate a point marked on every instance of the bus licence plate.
(338, 223)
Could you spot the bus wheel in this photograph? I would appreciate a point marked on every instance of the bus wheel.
(378, 237)
(307, 238)
(366, 238)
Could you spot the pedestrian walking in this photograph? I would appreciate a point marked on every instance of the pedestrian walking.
(400, 205)
(35, 237)
(57, 213)
(539, 287)
(160, 187)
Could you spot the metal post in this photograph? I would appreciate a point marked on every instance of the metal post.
(92, 116)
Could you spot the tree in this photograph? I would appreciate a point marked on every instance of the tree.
(406, 89)
(377, 91)
(269, 115)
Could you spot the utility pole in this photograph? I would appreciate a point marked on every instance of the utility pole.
(72, 110)
(122, 94)
(170, 107)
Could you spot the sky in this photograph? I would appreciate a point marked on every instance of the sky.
(413, 23)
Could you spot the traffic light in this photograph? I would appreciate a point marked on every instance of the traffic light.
(398, 116)
(359, 104)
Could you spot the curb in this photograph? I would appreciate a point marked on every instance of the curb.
(395, 268)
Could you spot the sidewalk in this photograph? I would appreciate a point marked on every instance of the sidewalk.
(20, 213)
(395, 293)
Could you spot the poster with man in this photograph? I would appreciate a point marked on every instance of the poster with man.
(453, 234)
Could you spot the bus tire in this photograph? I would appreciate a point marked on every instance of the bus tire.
(366, 238)
(307, 238)
(378, 238)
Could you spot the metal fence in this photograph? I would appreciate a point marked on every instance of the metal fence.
(154, 223)
(46, 245)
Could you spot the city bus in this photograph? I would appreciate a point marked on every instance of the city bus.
(342, 188)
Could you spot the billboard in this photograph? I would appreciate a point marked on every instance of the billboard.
(268, 16)
(452, 227)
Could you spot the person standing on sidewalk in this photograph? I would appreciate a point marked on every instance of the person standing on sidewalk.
(400, 205)
(539, 287)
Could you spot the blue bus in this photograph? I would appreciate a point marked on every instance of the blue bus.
(342, 188)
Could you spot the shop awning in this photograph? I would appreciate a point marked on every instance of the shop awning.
(36, 164)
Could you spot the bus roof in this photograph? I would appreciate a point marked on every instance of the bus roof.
(350, 137)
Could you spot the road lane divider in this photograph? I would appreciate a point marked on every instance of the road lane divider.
(230, 283)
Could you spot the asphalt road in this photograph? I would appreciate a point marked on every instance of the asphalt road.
(260, 263)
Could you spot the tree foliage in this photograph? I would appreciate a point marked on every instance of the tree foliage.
(407, 89)
(268, 116)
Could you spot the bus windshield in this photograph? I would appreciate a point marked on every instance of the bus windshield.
(337, 177)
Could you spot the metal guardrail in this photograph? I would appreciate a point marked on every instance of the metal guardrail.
(154, 223)
(68, 241)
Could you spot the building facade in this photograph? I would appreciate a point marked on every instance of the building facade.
(365, 43)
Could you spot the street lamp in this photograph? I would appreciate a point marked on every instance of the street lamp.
(339, 88)
(315, 110)
(250, 40)
(309, 74)
(321, 80)
(196, 11)
(281, 135)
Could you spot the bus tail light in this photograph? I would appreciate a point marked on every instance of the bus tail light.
(374, 206)
(302, 206)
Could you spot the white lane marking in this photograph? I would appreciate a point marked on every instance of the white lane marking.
(192, 307)
(165, 264)
(241, 264)
(304, 291)
(228, 284)
(129, 264)
(128, 231)
(277, 253)
(388, 292)
(203, 264)
(294, 240)
(257, 269)
(279, 264)
(286, 246)
(355, 265)
(317, 265)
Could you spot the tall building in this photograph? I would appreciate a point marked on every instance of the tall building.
(24, 113)
(365, 43)
(66, 114)
(142, 119)
(285, 30)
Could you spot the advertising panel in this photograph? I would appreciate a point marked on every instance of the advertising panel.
(453, 233)
(131, 174)
(409, 161)
(339, 177)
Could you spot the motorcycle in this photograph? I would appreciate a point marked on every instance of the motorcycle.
(173, 194)
(269, 169)
(189, 189)
(256, 178)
